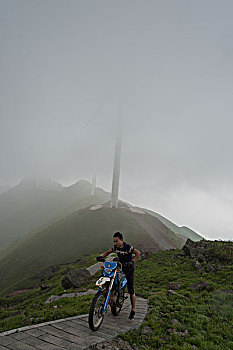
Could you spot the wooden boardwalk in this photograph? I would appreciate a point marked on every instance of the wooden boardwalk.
(72, 333)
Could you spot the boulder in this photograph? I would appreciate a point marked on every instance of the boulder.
(174, 285)
(197, 265)
(194, 249)
(210, 268)
(76, 278)
(202, 285)
(201, 258)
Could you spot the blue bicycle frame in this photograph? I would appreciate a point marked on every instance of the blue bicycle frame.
(112, 276)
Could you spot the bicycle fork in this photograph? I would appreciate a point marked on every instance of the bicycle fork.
(104, 309)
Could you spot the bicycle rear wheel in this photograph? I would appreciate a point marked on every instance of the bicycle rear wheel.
(117, 306)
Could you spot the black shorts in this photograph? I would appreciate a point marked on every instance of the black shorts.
(129, 274)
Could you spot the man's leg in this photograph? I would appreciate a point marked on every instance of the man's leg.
(133, 300)
(129, 273)
(132, 294)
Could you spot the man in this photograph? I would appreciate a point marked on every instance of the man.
(125, 253)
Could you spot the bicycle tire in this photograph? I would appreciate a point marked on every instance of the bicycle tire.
(116, 307)
(95, 309)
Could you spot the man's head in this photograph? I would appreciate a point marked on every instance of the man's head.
(118, 239)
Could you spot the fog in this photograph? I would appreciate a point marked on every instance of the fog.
(69, 69)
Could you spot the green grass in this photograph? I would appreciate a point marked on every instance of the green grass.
(30, 308)
(204, 319)
(65, 241)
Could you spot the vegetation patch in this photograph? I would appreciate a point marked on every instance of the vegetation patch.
(188, 318)
(30, 308)
(188, 308)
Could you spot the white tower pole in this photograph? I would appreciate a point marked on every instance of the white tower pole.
(93, 185)
(116, 168)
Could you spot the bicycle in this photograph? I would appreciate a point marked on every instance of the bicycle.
(111, 291)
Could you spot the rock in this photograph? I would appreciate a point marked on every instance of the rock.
(175, 322)
(174, 285)
(170, 330)
(43, 287)
(203, 244)
(185, 333)
(197, 265)
(52, 299)
(69, 295)
(202, 285)
(201, 258)
(146, 330)
(188, 245)
(193, 249)
(174, 293)
(75, 279)
(210, 268)
(143, 255)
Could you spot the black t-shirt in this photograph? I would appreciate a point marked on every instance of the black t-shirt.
(125, 254)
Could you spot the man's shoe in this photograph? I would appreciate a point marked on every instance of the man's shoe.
(131, 315)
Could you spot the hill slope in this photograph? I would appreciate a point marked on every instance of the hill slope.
(183, 318)
(81, 233)
(183, 231)
(37, 202)
(4, 188)
(189, 308)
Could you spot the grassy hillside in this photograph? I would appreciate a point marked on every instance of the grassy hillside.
(163, 235)
(183, 231)
(33, 204)
(189, 319)
(187, 232)
(78, 234)
(28, 307)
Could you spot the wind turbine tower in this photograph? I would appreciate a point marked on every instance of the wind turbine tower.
(93, 185)
(116, 167)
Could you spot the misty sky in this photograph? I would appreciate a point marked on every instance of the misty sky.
(70, 68)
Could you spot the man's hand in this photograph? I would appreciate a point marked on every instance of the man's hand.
(137, 254)
(100, 258)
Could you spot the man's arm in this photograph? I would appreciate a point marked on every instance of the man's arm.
(99, 258)
(109, 251)
(137, 254)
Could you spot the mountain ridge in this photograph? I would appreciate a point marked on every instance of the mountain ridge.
(78, 234)
(34, 202)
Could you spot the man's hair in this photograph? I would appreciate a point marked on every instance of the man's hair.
(119, 235)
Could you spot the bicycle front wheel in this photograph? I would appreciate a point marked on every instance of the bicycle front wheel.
(95, 316)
